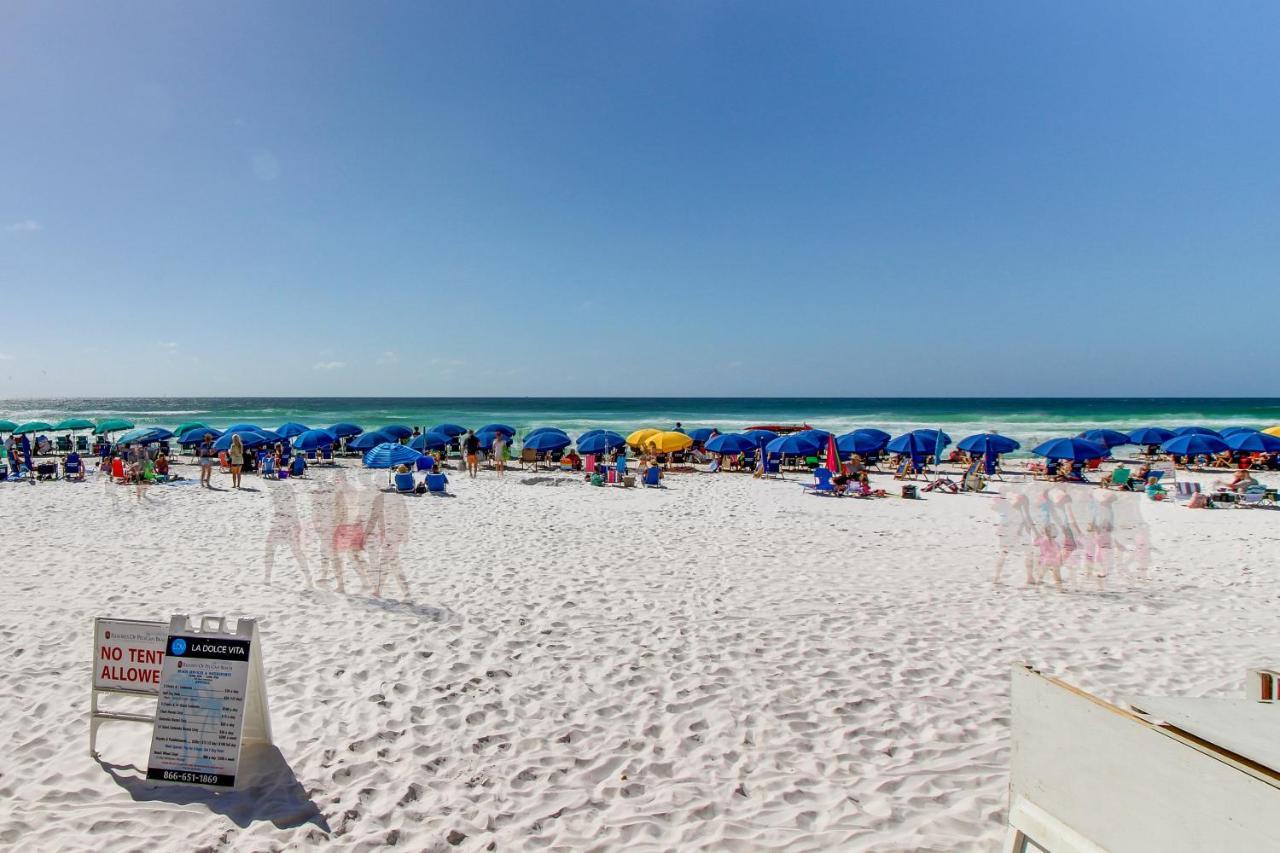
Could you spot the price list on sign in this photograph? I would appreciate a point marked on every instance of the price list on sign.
(205, 689)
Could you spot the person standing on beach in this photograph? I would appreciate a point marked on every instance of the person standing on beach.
(236, 457)
(500, 453)
(207, 455)
(472, 449)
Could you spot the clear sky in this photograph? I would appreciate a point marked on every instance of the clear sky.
(684, 198)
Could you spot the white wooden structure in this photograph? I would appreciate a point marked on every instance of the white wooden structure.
(1171, 775)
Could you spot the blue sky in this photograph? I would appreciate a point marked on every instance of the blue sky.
(639, 199)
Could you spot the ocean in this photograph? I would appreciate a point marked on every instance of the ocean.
(1030, 420)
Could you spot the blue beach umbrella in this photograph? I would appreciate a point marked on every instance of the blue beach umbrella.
(1107, 437)
(545, 442)
(540, 430)
(818, 435)
(431, 440)
(389, 454)
(601, 441)
(196, 435)
(795, 444)
(344, 430)
(314, 439)
(243, 428)
(495, 428)
(1236, 430)
(1194, 444)
(761, 436)
(730, 442)
(919, 442)
(1197, 430)
(1076, 449)
(451, 430)
(370, 440)
(1253, 442)
(989, 442)
(861, 442)
(878, 433)
(248, 439)
(271, 436)
(396, 431)
(702, 435)
(144, 435)
(1150, 435)
(292, 429)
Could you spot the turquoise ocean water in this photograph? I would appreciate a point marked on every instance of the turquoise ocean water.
(1030, 420)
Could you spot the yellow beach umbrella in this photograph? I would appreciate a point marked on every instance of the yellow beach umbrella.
(668, 442)
(638, 438)
(1275, 430)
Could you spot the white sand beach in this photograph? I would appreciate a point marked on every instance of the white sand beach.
(725, 663)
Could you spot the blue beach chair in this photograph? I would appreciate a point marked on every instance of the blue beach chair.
(821, 484)
(653, 477)
(404, 483)
(436, 483)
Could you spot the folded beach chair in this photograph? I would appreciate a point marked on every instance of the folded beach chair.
(821, 484)
(436, 483)
(652, 475)
(1185, 490)
(404, 483)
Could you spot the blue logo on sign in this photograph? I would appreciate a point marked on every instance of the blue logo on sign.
(178, 646)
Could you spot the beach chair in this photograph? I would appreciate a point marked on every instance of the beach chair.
(1117, 479)
(224, 462)
(82, 444)
(821, 484)
(404, 483)
(529, 457)
(1252, 497)
(436, 483)
(297, 466)
(72, 468)
(1185, 490)
(589, 464)
(326, 455)
(117, 471)
(621, 466)
(714, 466)
(268, 467)
(64, 444)
(652, 477)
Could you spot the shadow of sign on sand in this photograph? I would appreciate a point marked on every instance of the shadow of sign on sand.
(269, 791)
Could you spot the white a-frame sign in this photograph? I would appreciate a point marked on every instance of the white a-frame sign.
(212, 699)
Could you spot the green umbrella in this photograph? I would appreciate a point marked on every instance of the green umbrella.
(7, 426)
(112, 425)
(183, 429)
(72, 424)
(33, 426)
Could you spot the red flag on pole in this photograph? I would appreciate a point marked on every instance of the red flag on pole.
(833, 456)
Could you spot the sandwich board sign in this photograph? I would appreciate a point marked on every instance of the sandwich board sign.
(212, 698)
(127, 655)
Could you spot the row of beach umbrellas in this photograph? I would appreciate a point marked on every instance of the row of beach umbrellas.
(1091, 444)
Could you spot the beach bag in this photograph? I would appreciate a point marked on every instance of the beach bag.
(909, 492)
(597, 480)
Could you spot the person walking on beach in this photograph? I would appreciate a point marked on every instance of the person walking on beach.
(207, 457)
(236, 456)
(500, 453)
(472, 449)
